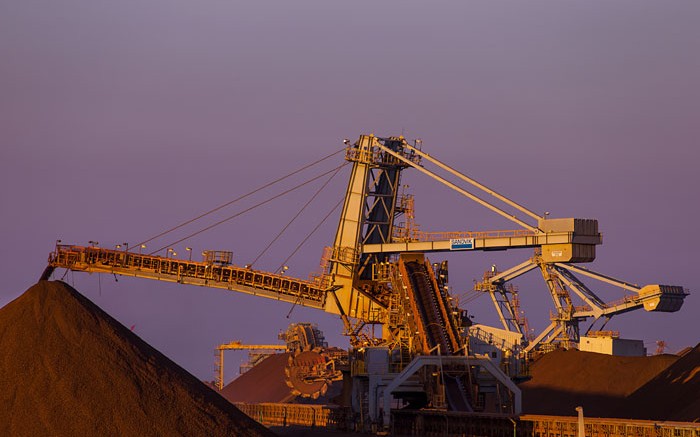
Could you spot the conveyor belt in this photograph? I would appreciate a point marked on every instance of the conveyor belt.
(230, 277)
(438, 326)
(428, 305)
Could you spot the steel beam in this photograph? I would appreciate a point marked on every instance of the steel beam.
(461, 191)
(438, 360)
(473, 182)
(600, 277)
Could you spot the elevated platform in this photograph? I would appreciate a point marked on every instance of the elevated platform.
(209, 274)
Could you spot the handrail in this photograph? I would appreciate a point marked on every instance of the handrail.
(80, 258)
(448, 235)
(274, 414)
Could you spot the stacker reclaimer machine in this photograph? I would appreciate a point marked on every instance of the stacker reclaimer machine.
(376, 273)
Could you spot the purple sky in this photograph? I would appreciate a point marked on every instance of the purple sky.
(121, 119)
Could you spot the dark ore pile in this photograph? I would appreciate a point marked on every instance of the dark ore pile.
(67, 368)
(662, 387)
(266, 383)
(673, 394)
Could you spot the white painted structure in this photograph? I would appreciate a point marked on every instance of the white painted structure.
(613, 346)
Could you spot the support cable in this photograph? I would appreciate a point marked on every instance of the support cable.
(470, 296)
(310, 234)
(269, 184)
(462, 191)
(475, 183)
(325, 184)
(248, 209)
(299, 247)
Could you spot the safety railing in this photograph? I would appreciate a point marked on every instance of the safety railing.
(417, 235)
(375, 156)
(440, 423)
(96, 259)
(604, 334)
(627, 299)
(490, 338)
(322, 416)
(431, 423)
(545, 426)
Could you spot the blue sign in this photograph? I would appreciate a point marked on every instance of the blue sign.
(461, 243)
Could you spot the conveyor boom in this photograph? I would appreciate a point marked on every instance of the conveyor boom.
(229, 277)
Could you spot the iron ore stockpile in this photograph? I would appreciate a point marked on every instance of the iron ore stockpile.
(266, 383)
(662, 387)
(68, 368)
(262, 383)
(673, 394)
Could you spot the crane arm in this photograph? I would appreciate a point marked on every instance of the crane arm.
(462, 191)
(655, 297)
(496, 240)
(230, 277)
(238, 345)
(513, 272)
(600, 277)
(473, 182)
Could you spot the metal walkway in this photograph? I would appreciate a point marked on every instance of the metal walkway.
(209, 274)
